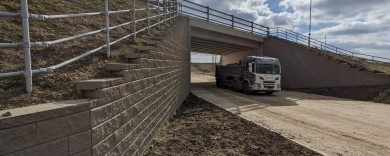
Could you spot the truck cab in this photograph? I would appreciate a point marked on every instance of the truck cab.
(253, 74)
(262, 74)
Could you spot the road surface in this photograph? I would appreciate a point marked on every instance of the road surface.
(332, 126)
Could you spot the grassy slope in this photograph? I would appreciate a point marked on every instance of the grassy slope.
(61, 84)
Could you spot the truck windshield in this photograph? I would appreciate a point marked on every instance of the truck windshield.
(267, 69)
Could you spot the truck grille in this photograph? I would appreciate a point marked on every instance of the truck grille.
(269, 81)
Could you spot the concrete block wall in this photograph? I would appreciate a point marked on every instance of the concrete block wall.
(119, 116)
(302, 68)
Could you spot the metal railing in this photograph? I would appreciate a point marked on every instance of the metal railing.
(218, 17)
(167, 10)
(208, 14)
(289, 35)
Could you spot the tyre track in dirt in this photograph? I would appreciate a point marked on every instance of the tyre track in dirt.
(322, 123)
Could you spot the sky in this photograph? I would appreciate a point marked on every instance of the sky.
(357, 25)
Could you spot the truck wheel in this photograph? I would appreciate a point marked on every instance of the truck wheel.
(269, 93)
(218, 83)
(235, 86)
(245, 88)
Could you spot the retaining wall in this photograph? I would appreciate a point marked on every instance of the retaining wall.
(119, 115)
(302, 68)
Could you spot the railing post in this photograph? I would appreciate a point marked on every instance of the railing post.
(107, 25)
(177, 9)
(174, 9)
(165, 12)
(208, 14)
(277, 31)
(158, 13)
(337, 50)
(134, 22)
(321, 45)
(252, 27)
(286, 34)
(232, 21)
(26, 46)
(268, 33)
(170, 11)
(148, 9)
(296, 37)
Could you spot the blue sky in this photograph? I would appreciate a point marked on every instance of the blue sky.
(356, 25)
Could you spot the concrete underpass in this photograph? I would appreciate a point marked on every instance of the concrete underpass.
(328, 125)
(331, 126)
(231, 44)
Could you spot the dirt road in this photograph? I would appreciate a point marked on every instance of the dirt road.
(330, 125)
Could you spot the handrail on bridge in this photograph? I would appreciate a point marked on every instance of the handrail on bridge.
(169, 11)
(218, 17)
(302, 39)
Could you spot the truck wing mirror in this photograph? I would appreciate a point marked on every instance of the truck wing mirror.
(250, 67)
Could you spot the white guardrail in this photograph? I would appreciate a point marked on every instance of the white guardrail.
(168, 10)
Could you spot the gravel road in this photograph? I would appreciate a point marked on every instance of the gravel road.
(330, 125)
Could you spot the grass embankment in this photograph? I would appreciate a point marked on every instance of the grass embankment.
(61, 84)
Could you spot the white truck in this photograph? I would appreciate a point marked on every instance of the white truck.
(253, 74)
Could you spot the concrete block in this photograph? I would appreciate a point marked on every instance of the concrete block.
(145, 49)
(62, 126)
(17, 138)
(84, 153)
(95, 84)
(129, 114)
(121, 66)
(135, 58)
(102, 131)
(103, 113)
(30, 114)
(57, 147)
(118, 150)
(79, 142)
(136, 74)
(103, 147)
(158, 38)
(79, 105)
(152, 42)
(135, 55)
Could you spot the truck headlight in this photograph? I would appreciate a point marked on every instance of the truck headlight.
(262, 78)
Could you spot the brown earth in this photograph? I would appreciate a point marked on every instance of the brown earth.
(332, 126)
(60, 85)
(200, 128)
